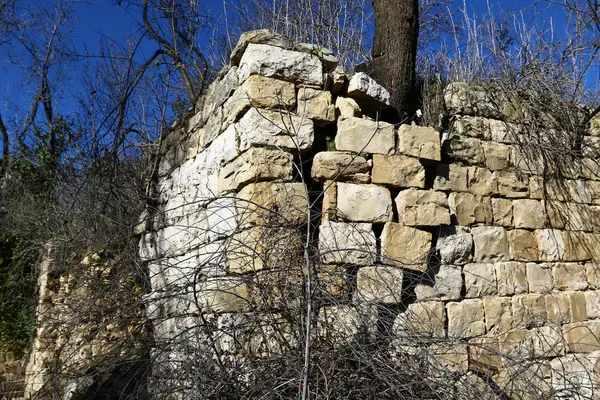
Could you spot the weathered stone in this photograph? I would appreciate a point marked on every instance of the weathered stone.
(529, 310)
(498, 314)
(482, 181)
(515, 344)
(422, 208)
(363, 88)
(337, 166)
(593, 274)
(558, 307)
(539, 277)
(578, 305)
(570, 276)
(444, 285)
(451, 177)
(265, 60)
(346, 243)
(523, 245)
(267, 203)
(364, 203)
(329, 201)
(557, 214)
(510, 185)
(338, 323)
(464, 149)
(223, 295)
(379, 284)
(491, 244)
(512, 278)
(261, 36)
(361, 135)
(582, 337)
(255, 164)
(502, 211)
(579, 191)
(405, 247)
(571, 376)
(469, 209)
(316, 105)
(399, 171)
(480, 280)
(452, 358)
(333, 281)
(469, 99)
(336, 80)
(417, 141)
(347, 107)
(424, 319)
(592, 304)
(218, 92)
(529, 214)
(465, 319)
(550, 244)
(329, 60)
(476, 127)
(547, 342)
(273, 128)
(496, 156)
(454, 245)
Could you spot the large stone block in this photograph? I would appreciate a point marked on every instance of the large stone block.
(469, 99)
(558, 307)
(422, 208)
(224, 295)
(539, 278)
(523, 245)
(270, 203)
(260, 36)
(405, 247)
(469, 209)
(426, 319)
(449, 358)
(551, 245)
(482, 181)
(338, 166)
(445, 284)
(579, 246)
(480, 280)
(570, 276)
(464, 149)
(421, 142)
(316, 105)
(329, 208)
(379, 284)
(547, 342)
(465, 319)
(332, 280)
(491, 244)
(451, 177)
(347, 243)
(218, 92)
(362, 135)
(364, 203)
(256, 164)
(578, 304)
(454, 245)
(274, 128)
(529, 214)
(498, 314)
(293, 66)
(582, 337)
(529, 310)
(399, 171)
(510, 185)
(512, 278)
(592, 304)
(346, 107)
(363, 88)
(496, 156)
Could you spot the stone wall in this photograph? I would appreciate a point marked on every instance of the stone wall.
(452, 245)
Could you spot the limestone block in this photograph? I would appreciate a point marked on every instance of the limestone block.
(268, 203)
(379, 284)
(571, 377)
(418, 141)
(201, 137)
(347, 243)
(338, 166)
(557, 214)
(491, 244)
(330, 62)
(468, 99)
(496, 156)
(578, 306)
(279, 287)
(498, 314)
(274, 128)
(362, 135)
(591, 146)
(593, 274)
(258, 91)
(510, 185)
(579, 191)
(476, 127)
(260, 36)
(570, 276)
(405, 247)
(590, 169)
(523, 245)
(422, 208)
(425, 319)
(329, 201)
(256, 164)
(592, 304)
(578, 245)
(529, 214)
(211, 259)
(512, 278)
(466, 149)
(454, 245)
(515, 344)
(547, 342)
(223, 295)
(445, 284)
(465, 319)
(336, 80)
(480, 280)
(218, 92)
(293, 66)
(451, 177)
(398, 171)
(527, 160)
(316, 105)
(539, 278)
(582, 337)
(364, 203)
(558, 307)
(529, 310)
(332, 280)
(550, 244)
(469, 209)
(449, 358)
(482, 181)
(347, 107)
(364, 88)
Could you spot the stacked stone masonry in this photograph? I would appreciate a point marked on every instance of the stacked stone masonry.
(456, 227)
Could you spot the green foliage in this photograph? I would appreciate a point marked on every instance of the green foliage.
(17, 291)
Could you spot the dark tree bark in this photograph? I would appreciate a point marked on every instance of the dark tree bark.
(395, 51)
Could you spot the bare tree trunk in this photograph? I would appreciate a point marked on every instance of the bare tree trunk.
(395, 51)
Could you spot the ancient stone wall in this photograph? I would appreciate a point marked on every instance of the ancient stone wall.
(285, 185)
